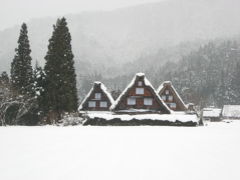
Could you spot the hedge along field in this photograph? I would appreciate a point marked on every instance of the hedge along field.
(136, 153)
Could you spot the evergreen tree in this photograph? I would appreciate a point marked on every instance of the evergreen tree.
(61, 90)
(4, 86)
(4, 79)
(235, 85)
(21, 69)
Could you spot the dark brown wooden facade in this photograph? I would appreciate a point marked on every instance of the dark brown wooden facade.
(171, 97)
(98, 99)
(140, 97)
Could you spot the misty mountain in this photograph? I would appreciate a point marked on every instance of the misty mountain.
(103, 41)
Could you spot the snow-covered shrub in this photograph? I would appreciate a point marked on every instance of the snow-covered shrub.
(72, 119)
(19, 112)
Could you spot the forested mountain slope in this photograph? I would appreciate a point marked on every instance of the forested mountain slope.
(206, 76)
(103, 41)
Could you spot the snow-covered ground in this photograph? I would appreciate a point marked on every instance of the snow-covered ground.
(121, 153)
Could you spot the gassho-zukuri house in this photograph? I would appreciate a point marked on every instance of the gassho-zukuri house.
(171, 97)
(138, 104)
(98, 99)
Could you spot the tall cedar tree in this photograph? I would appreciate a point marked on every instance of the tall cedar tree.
(61, 90)
(21, 69)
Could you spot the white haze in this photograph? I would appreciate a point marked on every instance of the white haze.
(105, 40)
(14, 12)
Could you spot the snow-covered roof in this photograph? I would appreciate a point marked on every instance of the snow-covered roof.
(103, 88)
(157, 117)
(162, 86)
(211, 112)
(140, 74)
(231, 111)
(85, 99)
(147, 83)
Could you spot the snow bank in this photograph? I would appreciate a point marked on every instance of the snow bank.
(157, 117)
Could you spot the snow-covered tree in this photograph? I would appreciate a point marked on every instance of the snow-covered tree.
(60, 88)
(21, 69)
(19, 106)
(39, 79)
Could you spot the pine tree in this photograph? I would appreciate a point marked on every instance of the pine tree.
(61, 88)
(21, 69)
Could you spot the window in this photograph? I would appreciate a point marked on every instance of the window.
(164, 98)
(170, 98)
(91, 104)
(131, 101)
(97, 95)
(148, 101)
(103, 104)
(139, 90)
(167, 92)
(140, 83)
(173, 105)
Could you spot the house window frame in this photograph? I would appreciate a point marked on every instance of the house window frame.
(140, 83)
(92, 102)
(170, 98)
(139, 91)
(167, 92)
(173, 105)
(98, 96)
(105, 105)
(131, 101)
(164, 97)
(146, 101)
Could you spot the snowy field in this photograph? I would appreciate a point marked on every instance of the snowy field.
(121, 153)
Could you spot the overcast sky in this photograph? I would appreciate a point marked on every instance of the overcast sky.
(14, 12)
